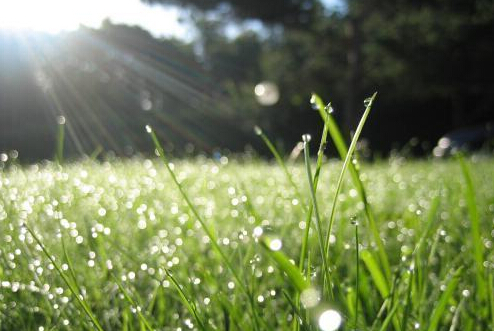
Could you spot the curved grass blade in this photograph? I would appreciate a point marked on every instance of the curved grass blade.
(438, 311)
(341, 147)
(209, 233)
(347, 161)
(258, 131)
(67, 281)
(293, 273)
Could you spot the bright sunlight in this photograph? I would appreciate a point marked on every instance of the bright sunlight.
(54, 16)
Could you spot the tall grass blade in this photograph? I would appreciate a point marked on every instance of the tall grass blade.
(258, 131)
(440, 308)
(341, 147)
(319, 230)
(346, 163)
(67, 281)
(208, 232)
(69, 263)
(476, 240)
(357, 280)
(320, 155)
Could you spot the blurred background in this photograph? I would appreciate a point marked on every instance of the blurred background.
(204, 72)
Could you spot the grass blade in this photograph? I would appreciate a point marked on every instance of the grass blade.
(438, 312)
(190, 306)
(293, 273)
(389, 318)
(341, 147)
(357, 263)
(376, 274)
(320, 154)
(476, 240)
(319, 230)
(129, 299)
(347, 161)
(258, 131)
(67, 281)
(209, 233)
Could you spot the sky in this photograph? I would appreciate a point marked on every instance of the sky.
(54, 16)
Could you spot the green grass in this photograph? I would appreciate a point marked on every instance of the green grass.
(197, 244)
(135, 226)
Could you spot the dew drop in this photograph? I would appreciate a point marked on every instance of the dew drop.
(328, 109)
(149, 129)
(275, 244)
(257, 232)
(367, 102)
(257, 130)
(329, 320)
(313, 101)
(306, 138)
(61, 120)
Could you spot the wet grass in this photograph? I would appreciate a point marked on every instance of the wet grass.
(246, 244)
(141, 259)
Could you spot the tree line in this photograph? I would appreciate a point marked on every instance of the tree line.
(431, 62)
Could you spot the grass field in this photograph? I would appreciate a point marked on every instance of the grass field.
(244, 244)
(124, 238)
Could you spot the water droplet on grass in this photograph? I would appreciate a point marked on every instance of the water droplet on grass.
(313, 101)
(149, 129)
(329, 320)
(275, 244)
(257, 130)
(306, 138)
(257, 232)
